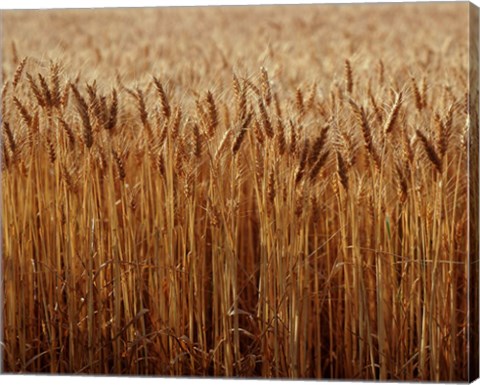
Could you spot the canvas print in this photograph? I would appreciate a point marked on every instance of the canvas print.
(244, 191)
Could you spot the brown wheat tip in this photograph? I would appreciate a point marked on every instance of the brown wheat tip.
(67, 177)
(347, 140)
(4, 98)
(175, 124)
(201, 114)
(212, 115)
(65, 96)
(197, 141)
(188, 184)
(293, 137)
(10, 137)
(35, 126)
(47, 95)
(18, 72)
(348, 77)
(161, 165)
(444, 130)
(113, 112)
(266, 90)
(299, 101)
(281, 142)
(52, 155)
(120, 165)
(362, 120)
(36, 90)
(240, 97)
(259, 162)
(392, 117)
(278, 107)
(55, 84)
(416, 94)
(103, 111)
(240, 136)
(318, 144)
(68, 131)
(166, 110)
(180, 155)
(26, 117)
(376, 109)
(271, 187)
(92, 91)
(448, 120)
(407, 151)
(252, 87)
(142, 110)
(266, 123)
(94, 104)
(237, 88)
(82, 109)
(424, 91)
(309, 103)
(302, 164)
(300, 207)
(430, 150)
(440, 134)
(257, 130)
(6, 161)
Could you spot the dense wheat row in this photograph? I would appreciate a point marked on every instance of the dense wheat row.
(241, 209)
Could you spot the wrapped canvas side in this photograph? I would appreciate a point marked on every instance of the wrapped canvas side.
(473, 198)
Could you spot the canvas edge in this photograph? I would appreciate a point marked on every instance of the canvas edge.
(473, 184)
(473, 198)
(1, 213)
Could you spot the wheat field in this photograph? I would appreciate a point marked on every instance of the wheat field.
(274, 191)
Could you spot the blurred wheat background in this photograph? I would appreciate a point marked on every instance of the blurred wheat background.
(275, 191)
